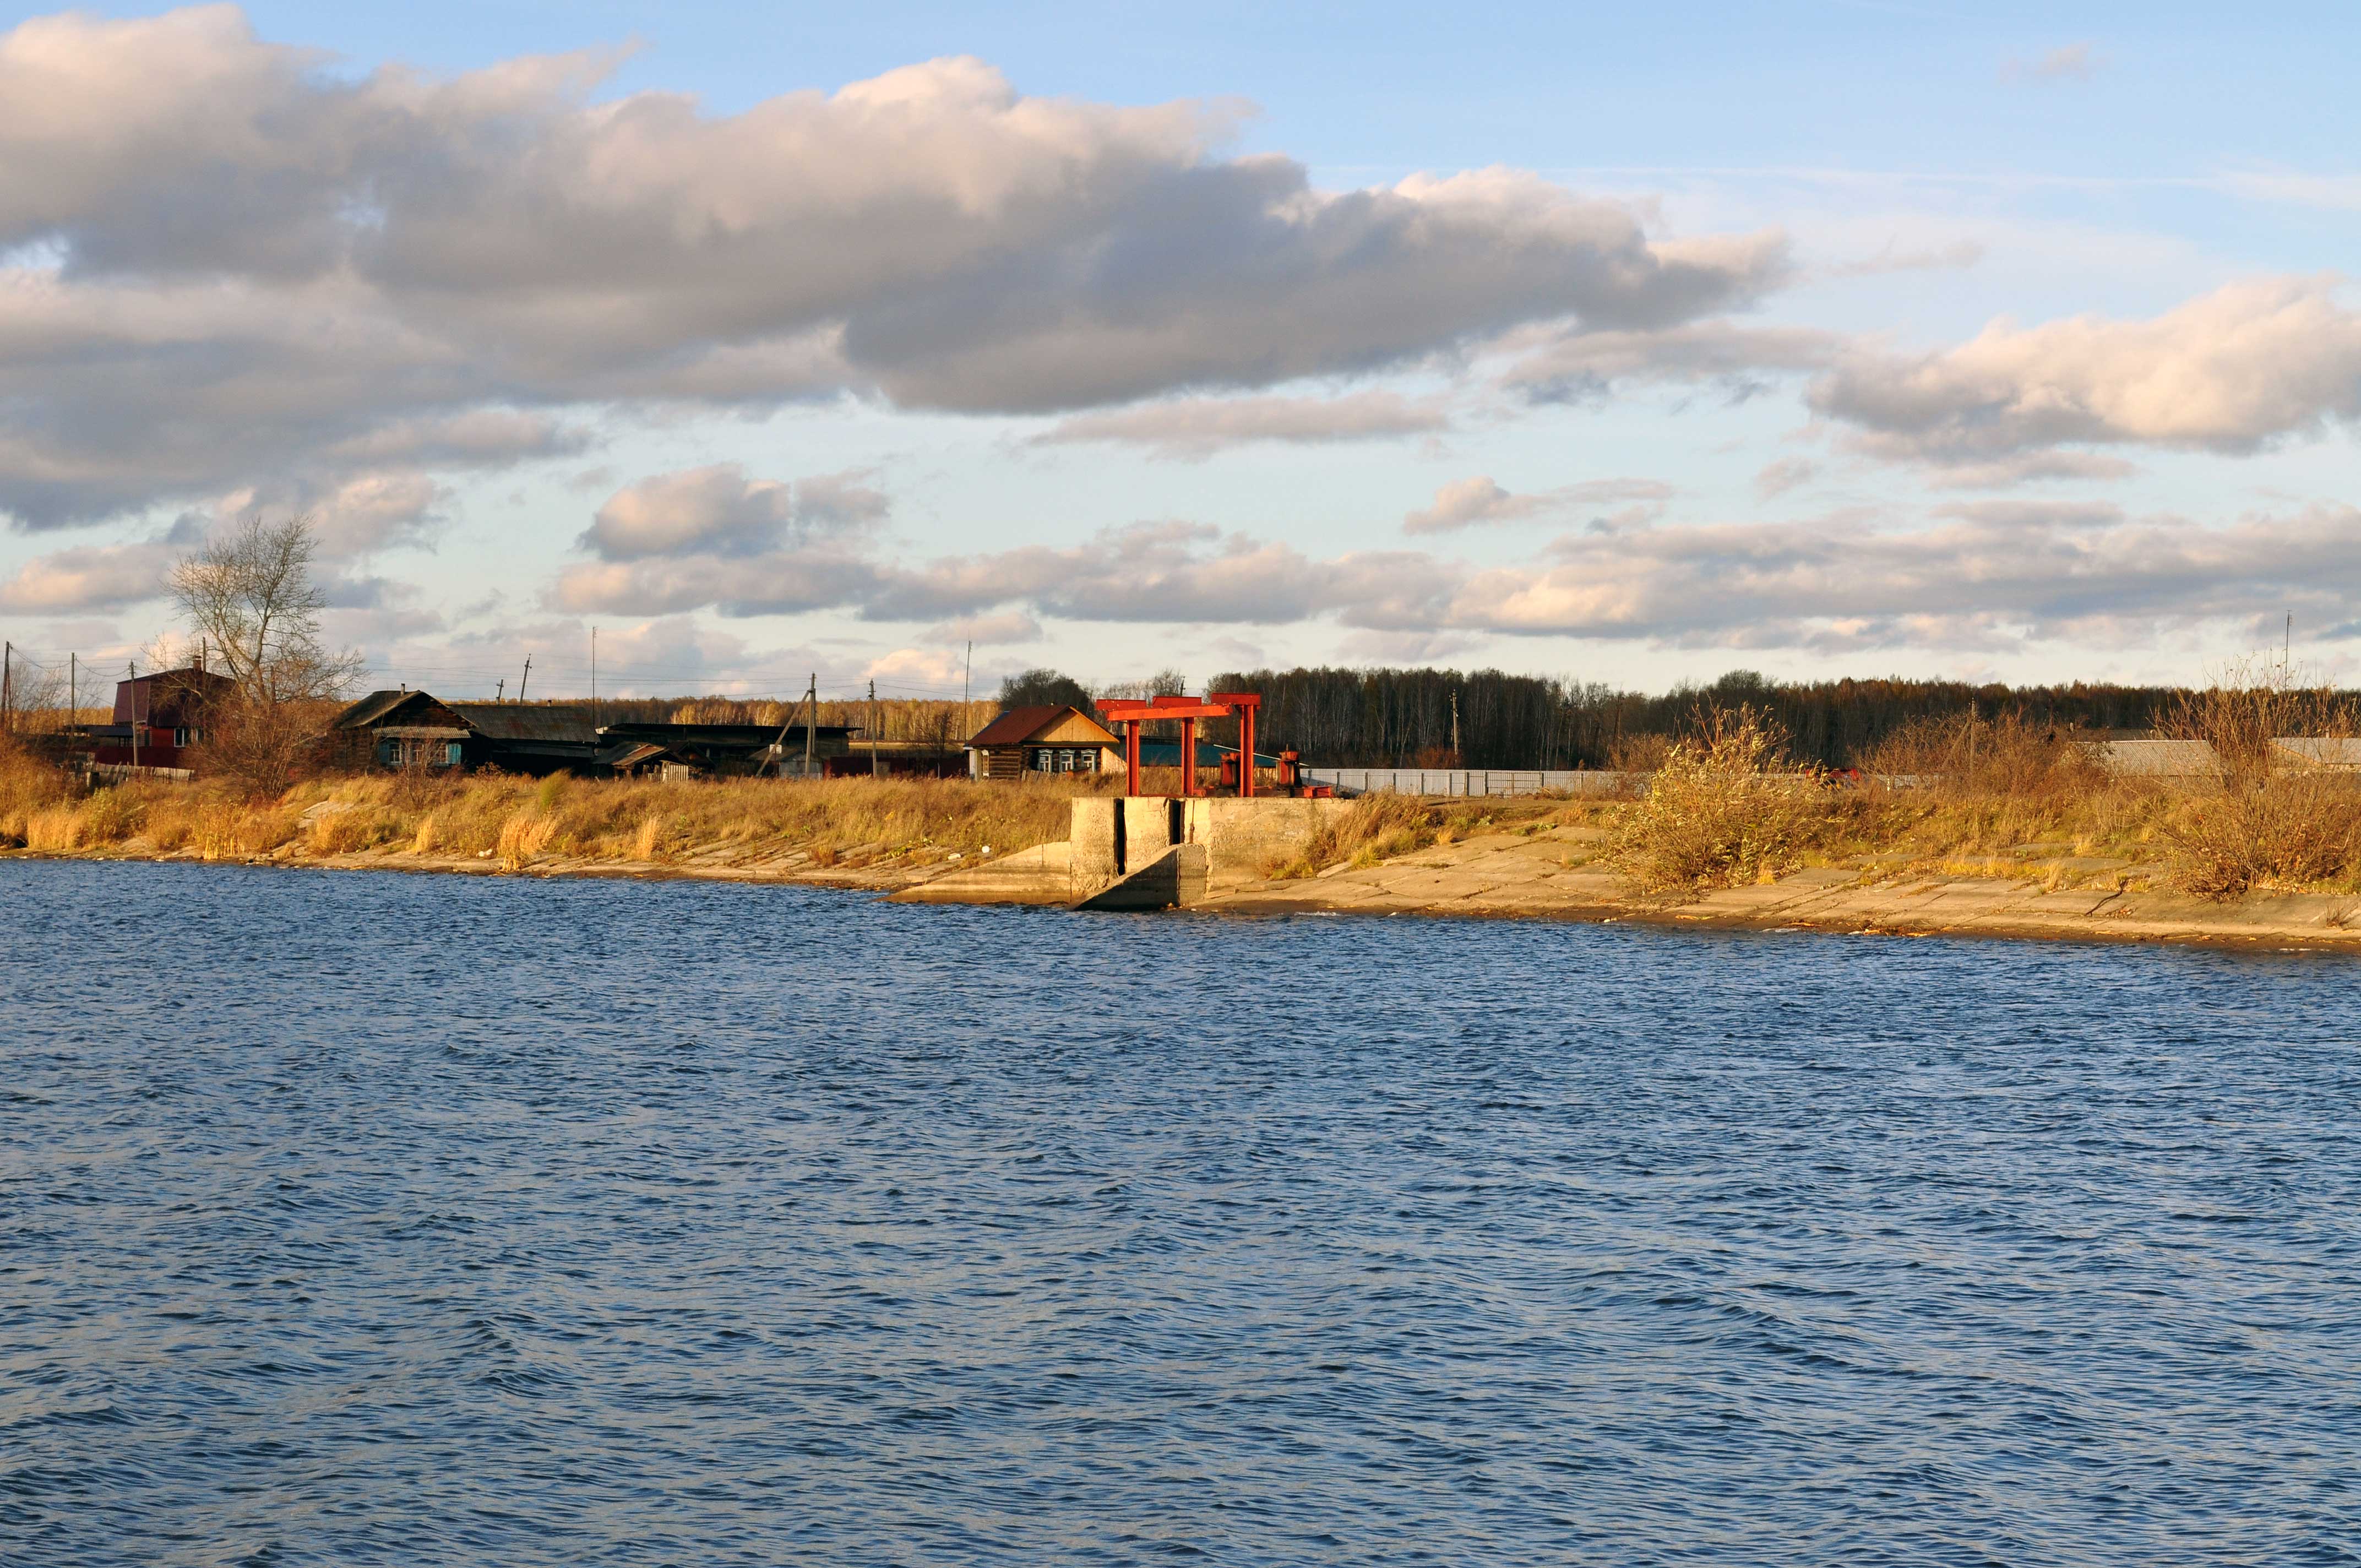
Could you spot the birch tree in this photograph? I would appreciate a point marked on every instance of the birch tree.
(250, 596)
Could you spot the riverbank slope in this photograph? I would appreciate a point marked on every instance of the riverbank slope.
(1540, 868)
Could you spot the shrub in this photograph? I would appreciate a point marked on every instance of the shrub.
(2250, 705)
(1717, 813)
(2287, 830)
(1967, 754)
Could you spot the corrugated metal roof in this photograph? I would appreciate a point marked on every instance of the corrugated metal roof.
(2324, 750)
(528, 720)
(748, 735)
(1018, 725)
(2158, 758)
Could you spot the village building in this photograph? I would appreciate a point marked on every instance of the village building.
(158, 718)
(405, 730)
(1044, 739)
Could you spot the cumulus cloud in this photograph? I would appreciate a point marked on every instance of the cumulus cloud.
(1465, 503)
(1970, 573)
(1987, 576)
(2228, 372)
(1196, 428)
(1580, 365)
(720, 513)
(90, 577)
(229, 264)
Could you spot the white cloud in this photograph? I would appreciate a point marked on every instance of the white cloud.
(1012, 627)
(1986, 574)
(1581, 365)
(1465, 503)
(718, 512)
(1993, 576)
(926, 669)
(98, 577)
(1196, 428)
(232, 269)
(2228, 372)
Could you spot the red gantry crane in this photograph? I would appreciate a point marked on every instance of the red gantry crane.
(1132, 713)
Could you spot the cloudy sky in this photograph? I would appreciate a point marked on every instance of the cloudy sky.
(2005, 341)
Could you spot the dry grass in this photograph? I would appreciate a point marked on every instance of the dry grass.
(520, 821)
(1378, 827)
(1991, 799)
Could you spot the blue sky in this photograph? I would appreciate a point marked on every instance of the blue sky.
(2014, 343)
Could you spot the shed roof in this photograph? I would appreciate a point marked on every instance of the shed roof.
(2159, 759)
(1019, 725)
(2324, 750)
(748, 735)
(527, 720)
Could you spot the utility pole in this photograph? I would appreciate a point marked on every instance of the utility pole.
(501, 692)
(872, 728)
(8, 685)
(811, 722)
(594, 679)
(1455, 725)
(779, 746)
(74, 688)
(2286, 646)
(528, 677)
(965, 681)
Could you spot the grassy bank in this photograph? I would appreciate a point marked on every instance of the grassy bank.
(516, 822)
(1983, 798)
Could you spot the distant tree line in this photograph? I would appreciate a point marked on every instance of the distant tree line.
(1381, 718)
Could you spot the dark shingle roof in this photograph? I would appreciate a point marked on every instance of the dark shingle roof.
(371, 708)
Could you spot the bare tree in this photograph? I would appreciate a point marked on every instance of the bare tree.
(250, 596)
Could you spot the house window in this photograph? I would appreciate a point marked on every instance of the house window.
(451, 753)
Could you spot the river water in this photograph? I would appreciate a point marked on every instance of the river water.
(356, 1218)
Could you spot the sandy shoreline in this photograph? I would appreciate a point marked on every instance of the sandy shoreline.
(1546, 875)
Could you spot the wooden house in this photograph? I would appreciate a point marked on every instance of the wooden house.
(1046, 740)
(156, 718)
(417, 729)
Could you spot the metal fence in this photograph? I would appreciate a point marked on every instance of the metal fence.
(1471, 781)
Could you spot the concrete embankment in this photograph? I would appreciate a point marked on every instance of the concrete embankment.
(1554, 873)
(1141, 853)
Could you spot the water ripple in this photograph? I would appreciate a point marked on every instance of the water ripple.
(352, 1219)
